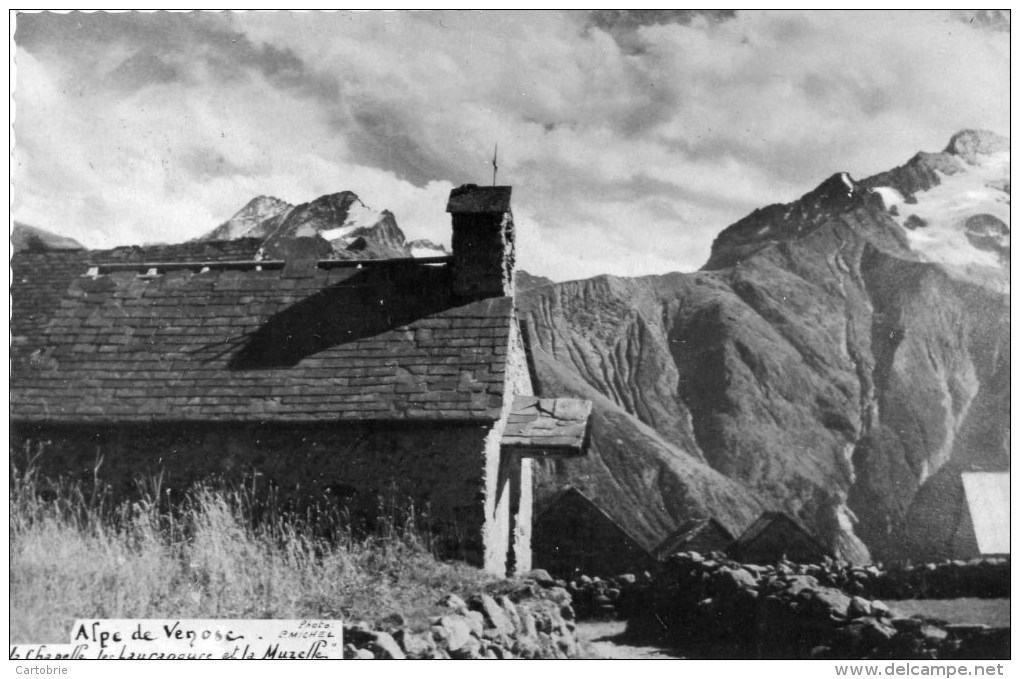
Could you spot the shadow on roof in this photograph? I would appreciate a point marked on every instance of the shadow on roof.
(368, 302)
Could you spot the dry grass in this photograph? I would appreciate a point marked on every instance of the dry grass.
(216, 554)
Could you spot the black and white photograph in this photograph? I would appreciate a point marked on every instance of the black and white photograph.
(497, 334)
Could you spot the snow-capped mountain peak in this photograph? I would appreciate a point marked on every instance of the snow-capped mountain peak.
(962, 219)
(251, 220)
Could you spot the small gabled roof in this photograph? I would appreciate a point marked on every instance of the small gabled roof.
(547, 427)
(987, 495)
(690, 530)
(250, 341)
(767, 526)
(572, 497)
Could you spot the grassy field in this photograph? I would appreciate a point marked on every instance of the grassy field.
(75, 554)
(994, 612)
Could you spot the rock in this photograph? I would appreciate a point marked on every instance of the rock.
(859, 608)
(736, 579)
(417, 645)
(542, 577)
(364, 654)
(584, 581)
(800, 583)
(829, 601)
(511, 612)
(475, 622)
(385, 646)
(558, 595)
(494, 635)
(525, 647)
(471, 650)
(932, 634)
(906, 625)
(876, 633)
(526, 590)
(626, 580)
(350, 652)
(492, 614)
(454, 602)
(880, 610)
(455, 632)
(528, 624)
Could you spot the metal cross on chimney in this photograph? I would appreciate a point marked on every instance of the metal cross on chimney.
(495, 167)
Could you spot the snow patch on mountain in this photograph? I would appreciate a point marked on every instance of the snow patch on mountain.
(426, 248)
(963, 221)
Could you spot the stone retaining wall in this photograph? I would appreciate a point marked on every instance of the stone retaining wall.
(717, 607)
(527, 619)
(981, 578)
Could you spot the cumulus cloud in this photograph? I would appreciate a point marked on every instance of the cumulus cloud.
(631, 139)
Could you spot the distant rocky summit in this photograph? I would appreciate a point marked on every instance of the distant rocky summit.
(841, 358)
(30, 238)
(334, 226)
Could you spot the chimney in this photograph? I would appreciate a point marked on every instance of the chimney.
(483, 241)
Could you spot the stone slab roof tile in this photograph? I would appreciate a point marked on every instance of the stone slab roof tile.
(547, 426)
(338, 344)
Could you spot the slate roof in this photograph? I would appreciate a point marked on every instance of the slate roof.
(710, 529)
(573, 500)
(39, 278)
(325, 342)
(193, 251)
(548, 426)
(773, 531)
(987, 496)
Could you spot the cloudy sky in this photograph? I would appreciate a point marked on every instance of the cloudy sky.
(631, 139)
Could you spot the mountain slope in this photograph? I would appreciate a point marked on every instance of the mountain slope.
(25, 237)
(823, 360)
(336, 225)
(254, 220)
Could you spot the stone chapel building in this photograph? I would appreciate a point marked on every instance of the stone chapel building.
(320, 377)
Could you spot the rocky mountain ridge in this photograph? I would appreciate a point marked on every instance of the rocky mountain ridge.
(29, 238)
(333, 226)
(825, 362)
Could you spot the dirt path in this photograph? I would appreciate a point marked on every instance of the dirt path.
(611, 640)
